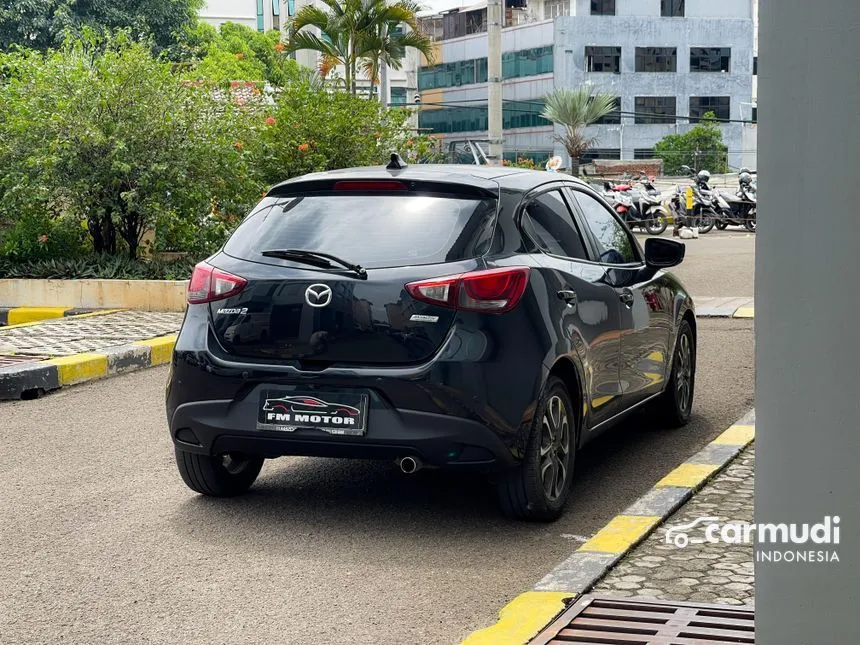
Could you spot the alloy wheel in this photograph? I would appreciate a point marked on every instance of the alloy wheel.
(684, 373)
(554, 447)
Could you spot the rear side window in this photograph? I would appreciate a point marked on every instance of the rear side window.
(549, 223)
(373, 230)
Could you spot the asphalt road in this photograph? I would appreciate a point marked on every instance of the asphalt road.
(100, 542)
(721, 263)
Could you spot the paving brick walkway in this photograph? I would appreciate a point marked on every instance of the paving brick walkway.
(67, 336)
(699, 572)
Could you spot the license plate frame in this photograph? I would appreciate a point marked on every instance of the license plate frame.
(335, 413)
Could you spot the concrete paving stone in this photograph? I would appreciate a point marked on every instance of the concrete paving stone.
(700, 572)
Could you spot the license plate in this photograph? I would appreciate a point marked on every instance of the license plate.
(335, 413)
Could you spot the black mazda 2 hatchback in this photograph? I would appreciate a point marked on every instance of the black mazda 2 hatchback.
(436, 316)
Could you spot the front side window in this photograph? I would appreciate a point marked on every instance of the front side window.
(614, 244)
(555, 8)
(549, 223)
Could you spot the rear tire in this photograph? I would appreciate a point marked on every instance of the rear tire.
(706, 223)
(721, 226)
(749, 222)
(676, 403)
(657, 225)
(218, 476)
(538, 488)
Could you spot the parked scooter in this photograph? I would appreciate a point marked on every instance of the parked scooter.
(638, 207)
(739, 209)
(703, 214)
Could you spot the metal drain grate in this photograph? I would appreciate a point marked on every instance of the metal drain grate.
(621, 621)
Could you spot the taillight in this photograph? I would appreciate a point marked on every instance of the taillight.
(490, 291)
(208, 284)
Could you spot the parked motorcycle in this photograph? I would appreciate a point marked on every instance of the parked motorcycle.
(639, 207)
(739, 208)
(703, 214)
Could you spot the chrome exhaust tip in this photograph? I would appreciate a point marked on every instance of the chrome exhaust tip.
(409, 465)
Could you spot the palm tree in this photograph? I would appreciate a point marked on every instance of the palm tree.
(385, 42)
(354, 30)
(574, 109)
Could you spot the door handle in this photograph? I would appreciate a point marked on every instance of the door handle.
(568, 296)
(626, 297)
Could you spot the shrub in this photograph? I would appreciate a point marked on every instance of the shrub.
(103, 132)
(700, 148)
(107, 267)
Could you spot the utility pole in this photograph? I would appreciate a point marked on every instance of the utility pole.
(495, 19)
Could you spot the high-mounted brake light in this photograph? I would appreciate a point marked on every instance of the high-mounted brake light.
(490, 291)
(381, 186)
(208, 284)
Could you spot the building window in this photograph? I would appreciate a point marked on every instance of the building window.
(462, 23)
(701, 105)
(755, 65)
(710, 59)
(515, 114)
(261, 22)
(614, 117)
(291, 7)
(603, 59)
(643, 153)
(755, 114)
(398, 96)
(602, 7)
(276, 15)
(600, 153)
(527, 62)
(656, 59)
(655, 109)
(672, 8)
(554, 8)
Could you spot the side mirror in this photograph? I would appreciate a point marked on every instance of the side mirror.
(662, 254)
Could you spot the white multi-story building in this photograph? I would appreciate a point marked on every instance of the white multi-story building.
(667, 61)
(399, 86)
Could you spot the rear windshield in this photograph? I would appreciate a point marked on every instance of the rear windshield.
(375, 231)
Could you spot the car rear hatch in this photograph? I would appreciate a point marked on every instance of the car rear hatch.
(315, 311)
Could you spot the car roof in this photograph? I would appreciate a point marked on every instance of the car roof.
(482, 176)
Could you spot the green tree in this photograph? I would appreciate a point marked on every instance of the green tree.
(701, 148)
(385, 42)
(355, 30)
(239, 53)
(40, 24)
(105, 133)
(574, 110)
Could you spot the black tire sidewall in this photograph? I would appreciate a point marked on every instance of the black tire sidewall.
(683, 415)
(531, 464)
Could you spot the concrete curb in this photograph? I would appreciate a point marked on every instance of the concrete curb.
(522, 618)
(26, 316)
(725, 308)
(30, 380)
(21, 315)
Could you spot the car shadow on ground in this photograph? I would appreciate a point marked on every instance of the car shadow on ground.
(346, 503)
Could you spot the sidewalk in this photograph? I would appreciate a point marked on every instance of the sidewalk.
(43, 356)
(699, 572)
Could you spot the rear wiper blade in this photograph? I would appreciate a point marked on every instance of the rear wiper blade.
(315, 258)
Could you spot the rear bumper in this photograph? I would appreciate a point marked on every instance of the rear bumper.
(219, 426)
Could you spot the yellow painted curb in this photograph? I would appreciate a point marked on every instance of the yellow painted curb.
(80, 367)
(19, 315)
(87, 315)
(161, 348)
(744, 312)
(622, 532)
(521, 619)
(688, 475)
(736, 435)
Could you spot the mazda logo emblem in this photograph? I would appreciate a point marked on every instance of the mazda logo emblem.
(318, 295)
